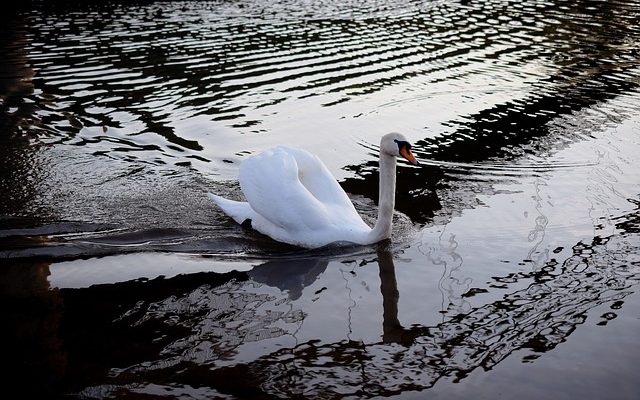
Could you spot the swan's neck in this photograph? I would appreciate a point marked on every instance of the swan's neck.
(386, 200)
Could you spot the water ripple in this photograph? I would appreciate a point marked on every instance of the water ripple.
(228, 61)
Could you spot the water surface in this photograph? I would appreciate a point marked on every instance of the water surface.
(514, 266)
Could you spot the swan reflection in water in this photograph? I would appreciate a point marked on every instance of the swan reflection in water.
(235, 334)
(239, 337)
(290, 276)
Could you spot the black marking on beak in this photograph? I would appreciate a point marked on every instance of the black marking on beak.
(404, 148)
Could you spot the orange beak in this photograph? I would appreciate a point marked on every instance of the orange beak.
(406, 153)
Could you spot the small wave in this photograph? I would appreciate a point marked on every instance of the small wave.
(506, 169)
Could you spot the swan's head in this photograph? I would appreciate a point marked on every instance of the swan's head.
(395, 144)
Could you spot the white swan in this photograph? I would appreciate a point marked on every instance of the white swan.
(293, 198)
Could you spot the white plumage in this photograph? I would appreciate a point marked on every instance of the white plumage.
(293, 198)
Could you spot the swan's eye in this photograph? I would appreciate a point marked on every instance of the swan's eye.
(402, 144)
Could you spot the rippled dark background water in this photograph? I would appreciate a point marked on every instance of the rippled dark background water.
(514, 266)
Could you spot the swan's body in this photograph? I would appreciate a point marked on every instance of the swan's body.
(293, 198)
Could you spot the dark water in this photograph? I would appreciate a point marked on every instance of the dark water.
(514, 267)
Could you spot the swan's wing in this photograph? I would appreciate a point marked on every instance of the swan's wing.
(318, 180)
(293, 190)
(270, 183)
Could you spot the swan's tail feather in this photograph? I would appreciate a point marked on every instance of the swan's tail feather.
(240, 211)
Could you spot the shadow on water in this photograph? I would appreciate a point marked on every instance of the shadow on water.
(192, 332)
(19, 169)
(538, 318)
